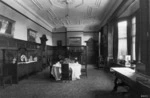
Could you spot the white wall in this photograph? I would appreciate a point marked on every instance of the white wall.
(22, 23)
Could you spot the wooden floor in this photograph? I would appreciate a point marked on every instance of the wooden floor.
(98, 84)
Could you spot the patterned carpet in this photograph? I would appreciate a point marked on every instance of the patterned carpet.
(98, 84)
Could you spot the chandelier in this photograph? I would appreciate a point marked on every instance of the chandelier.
(65, 1)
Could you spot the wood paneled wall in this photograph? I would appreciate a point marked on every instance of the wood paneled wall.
(10, 48)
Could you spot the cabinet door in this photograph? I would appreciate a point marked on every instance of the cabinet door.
(92, 52)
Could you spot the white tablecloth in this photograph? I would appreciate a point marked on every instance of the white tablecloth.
(76, 70)
(75, 67)
(56, 71)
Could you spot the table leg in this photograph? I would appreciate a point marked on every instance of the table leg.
(115, 84)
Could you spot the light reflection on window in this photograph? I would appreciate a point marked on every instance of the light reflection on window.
(122, 39)
(133, 32)
(4, 25)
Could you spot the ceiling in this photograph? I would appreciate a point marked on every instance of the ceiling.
(85, 15)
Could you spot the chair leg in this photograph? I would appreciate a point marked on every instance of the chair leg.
(11, 81)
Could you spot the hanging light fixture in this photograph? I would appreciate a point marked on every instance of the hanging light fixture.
(66, 2)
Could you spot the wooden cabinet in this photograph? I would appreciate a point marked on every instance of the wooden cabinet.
(11, 51)
(27, 68)
(92, 51)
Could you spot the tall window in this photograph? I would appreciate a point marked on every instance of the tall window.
(122, 39)
(133, 35)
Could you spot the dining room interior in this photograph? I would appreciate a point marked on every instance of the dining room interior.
(74, 48)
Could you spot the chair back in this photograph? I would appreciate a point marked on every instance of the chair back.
(65, 71)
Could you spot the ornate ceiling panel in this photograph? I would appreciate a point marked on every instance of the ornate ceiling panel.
(70, 13)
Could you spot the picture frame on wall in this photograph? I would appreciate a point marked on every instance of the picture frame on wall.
(74, 41)
(6, 26)
(31, 35)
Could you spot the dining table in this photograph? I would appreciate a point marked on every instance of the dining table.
(75, 67)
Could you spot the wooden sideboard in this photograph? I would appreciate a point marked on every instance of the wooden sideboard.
(11, 49)
(27, 68)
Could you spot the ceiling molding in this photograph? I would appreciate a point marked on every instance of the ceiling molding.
(50, 2)
(73, 14)
(75, 28)
(89, 11)
(37, 4)
(59, 3)
(80, 4)
(51, 13)
(17, 5)
(125, 7)
(131, 9)
(64, 3)
(121, 8)
(110, 12)
(51, 21)
(98, 3)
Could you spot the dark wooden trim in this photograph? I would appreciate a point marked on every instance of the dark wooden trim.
(83, 31)
(66, 40)
(75, 31)
(122, 19)
(91, 31)
(129, 37)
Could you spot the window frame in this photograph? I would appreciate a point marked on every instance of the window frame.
(126, 38)
(133, 36)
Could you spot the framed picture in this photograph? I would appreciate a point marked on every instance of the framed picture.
(74, 41)
(6, 26)
(31, 35)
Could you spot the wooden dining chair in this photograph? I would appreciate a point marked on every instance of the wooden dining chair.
(84, 70)
(66, 73)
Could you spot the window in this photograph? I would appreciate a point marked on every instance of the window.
(6, 25)
(122, 39)
(133, 35)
